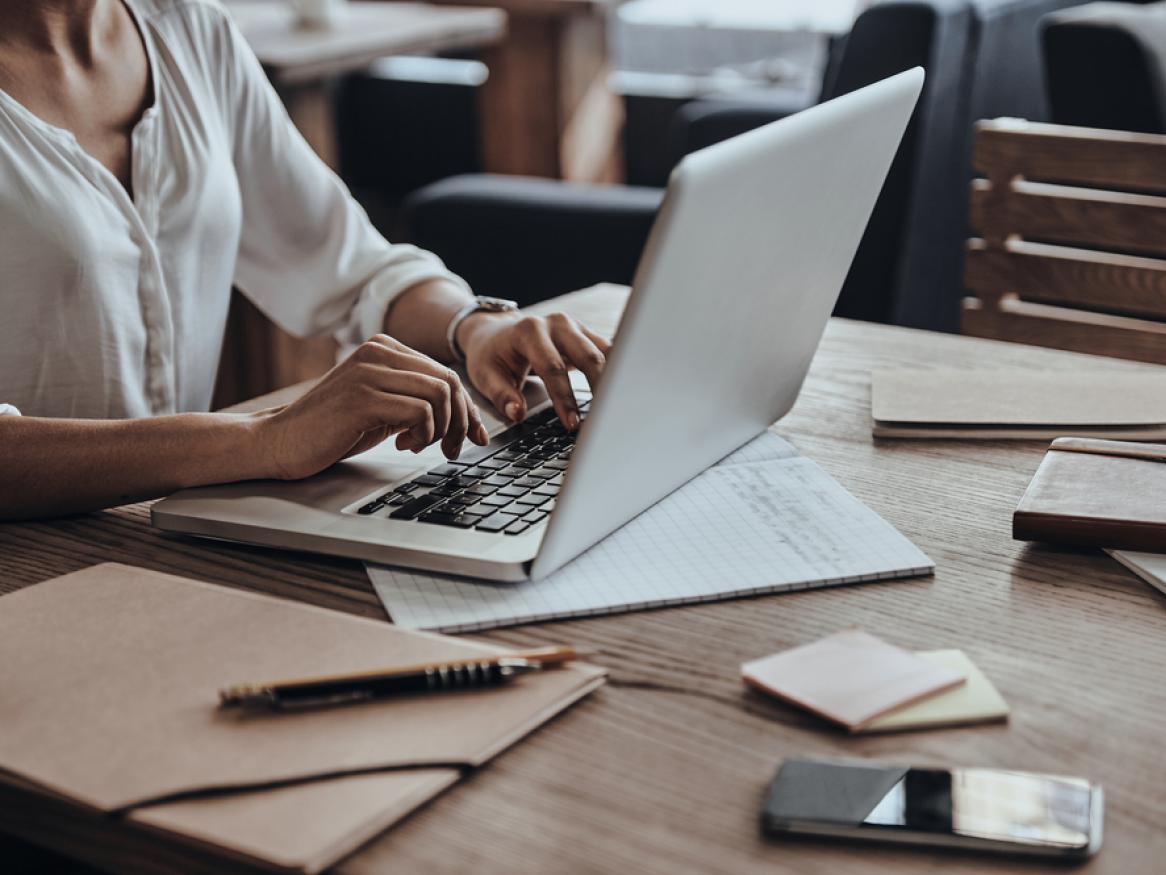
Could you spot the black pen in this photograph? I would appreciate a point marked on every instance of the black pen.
(427, 678)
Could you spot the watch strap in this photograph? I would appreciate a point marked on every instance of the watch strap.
(479, 304)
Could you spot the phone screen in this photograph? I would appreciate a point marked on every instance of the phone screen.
(970, 806)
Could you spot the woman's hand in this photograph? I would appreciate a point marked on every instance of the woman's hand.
(383, 388)
(503, 349)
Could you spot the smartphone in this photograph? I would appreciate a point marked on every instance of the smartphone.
(974, 809)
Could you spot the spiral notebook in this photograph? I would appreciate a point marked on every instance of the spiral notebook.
(764, 520)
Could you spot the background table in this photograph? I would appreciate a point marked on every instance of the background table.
(546, 106)
(662, 770)
(303, 64)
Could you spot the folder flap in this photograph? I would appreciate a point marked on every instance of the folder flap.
(299, 828)
(110, 679)
(1009, 398)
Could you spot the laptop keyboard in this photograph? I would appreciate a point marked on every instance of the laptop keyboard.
(505, 487)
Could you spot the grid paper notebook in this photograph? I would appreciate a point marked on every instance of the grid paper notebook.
(763, 520)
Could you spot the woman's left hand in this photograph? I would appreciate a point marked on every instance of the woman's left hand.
(503, 349)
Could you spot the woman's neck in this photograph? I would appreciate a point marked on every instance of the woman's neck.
(67, 28)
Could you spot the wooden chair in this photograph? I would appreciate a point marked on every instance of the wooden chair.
(1072, 245)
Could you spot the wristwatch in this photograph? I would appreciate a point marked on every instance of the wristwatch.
(480, 304)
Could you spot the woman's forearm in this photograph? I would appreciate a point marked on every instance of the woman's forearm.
(50, 467)
(420, 316)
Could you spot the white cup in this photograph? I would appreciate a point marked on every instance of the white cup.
(318, 13)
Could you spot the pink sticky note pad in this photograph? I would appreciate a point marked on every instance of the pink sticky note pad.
(849, 678)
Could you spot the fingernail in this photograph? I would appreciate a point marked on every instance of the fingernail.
(483, 435)
(512, 411)
(572, 420)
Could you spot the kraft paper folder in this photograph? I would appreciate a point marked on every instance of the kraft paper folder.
(108, 697)
(995, 404)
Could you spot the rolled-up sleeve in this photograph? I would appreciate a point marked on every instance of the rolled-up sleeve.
(309, 257)
(8, 410)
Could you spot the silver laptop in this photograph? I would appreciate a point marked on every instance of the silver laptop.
(733, 291)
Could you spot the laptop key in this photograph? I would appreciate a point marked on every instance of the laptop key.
(472, 454)
(492, 464)
(543, 474)
(443, 518)
(483, 509)
(481, 490)
(495, 522)
(426, 480)
(495, 482)
(528, 483)
(372, 507)
(516, 528)
(447, 470)
(548, 490)
(511, 491)
(397, 499)
(532, 500)
(415, 506)
(556, 464)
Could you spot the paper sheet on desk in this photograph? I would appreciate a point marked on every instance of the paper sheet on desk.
(761, 521)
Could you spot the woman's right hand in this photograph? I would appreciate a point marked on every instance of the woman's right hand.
(383, 388)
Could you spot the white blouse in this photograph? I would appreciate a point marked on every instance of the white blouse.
(114, 307)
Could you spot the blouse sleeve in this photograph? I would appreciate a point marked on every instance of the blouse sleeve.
(309, 257)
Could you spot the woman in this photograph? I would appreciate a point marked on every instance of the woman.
(146, 165)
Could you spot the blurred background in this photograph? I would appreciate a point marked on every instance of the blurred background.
(527, 142)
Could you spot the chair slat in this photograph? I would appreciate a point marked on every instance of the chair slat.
(1075, 216)
(1079, 278)
(1061, 328)
(1057, 153)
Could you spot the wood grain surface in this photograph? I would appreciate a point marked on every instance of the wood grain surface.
(662, 771)
(1098, 158)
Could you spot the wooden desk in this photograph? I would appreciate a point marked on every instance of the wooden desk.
(303, 64)
(662, 770)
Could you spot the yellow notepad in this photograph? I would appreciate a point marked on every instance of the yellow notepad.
(974, 701)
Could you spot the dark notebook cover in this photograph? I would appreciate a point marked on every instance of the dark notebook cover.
(1098, 494)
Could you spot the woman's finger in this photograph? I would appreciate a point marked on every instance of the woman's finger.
(465, 416)
(410, 415)
(477, 430)
(503, 387)
(578, 349)
(545, 361)
(601, 343)
(422, 386)
(368, 440)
